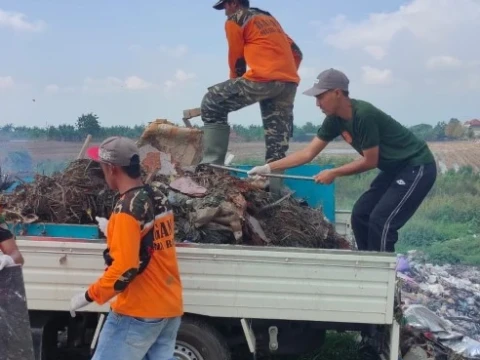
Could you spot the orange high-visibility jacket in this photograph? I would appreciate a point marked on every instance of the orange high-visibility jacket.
(141, 258)
(255, 38)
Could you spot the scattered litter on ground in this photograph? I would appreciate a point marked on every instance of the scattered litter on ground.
(441, 307)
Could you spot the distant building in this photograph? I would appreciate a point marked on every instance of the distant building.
(473, 125)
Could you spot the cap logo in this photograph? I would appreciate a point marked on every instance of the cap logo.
(105, 155)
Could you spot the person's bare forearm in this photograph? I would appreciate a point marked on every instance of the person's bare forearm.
(9, 247)
(296, 159)
(300, 157)
(16, 255)
(354, 167)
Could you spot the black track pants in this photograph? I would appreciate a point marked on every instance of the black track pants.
(389, 203)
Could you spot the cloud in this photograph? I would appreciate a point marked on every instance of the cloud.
(374, 76)
(433, 22)
(307, 72)
(53, 89)
(114, 84)
(135, 47)
(443, 62)
(377, 52)
(6, 82)
(181, 77)
(18, 22)
(176, 52)
(136, 83)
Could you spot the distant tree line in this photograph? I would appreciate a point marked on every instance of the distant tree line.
(443, 131)
(90, 124)
(85, 124)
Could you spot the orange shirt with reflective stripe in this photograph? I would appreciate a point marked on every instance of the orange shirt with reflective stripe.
(258, 40)
(157, 291)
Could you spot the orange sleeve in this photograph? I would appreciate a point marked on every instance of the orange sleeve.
(236, 59)
(297, 53)
(124, 250)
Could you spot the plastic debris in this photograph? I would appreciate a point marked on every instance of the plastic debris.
(440, 307)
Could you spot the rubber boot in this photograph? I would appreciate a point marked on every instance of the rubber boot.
(276, 184)
(215, 143)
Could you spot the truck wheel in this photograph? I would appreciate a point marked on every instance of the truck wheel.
(197, 340)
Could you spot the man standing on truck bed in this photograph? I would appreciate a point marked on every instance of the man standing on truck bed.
(257, 40)
(407, 166)
(142, 269)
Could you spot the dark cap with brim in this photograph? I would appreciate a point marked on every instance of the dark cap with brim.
(220, 5)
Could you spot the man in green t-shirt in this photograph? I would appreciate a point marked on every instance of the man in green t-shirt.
(407, 166)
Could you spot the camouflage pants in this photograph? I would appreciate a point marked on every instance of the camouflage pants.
(276, 105)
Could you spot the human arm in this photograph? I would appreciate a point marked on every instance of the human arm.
(369, 161)
(236, 43)
(326, 133)
(295, 159)
(369, 140)
(124, 248)
(9, 247)
(10, 253)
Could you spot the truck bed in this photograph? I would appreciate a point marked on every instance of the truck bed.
(231, 281)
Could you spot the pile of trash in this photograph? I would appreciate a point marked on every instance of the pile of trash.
(441, 307)
(75, 195)
(209, 206)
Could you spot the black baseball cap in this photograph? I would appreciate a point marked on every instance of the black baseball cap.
(219, 5)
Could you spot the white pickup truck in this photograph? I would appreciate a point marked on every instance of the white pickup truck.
(238, 299)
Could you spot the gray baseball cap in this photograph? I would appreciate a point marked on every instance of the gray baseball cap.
(115, 150)
(328, 80)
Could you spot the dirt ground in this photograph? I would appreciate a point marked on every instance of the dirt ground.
(449, 154)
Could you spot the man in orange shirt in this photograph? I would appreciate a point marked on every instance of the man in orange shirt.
(257, 40)
(142, 270)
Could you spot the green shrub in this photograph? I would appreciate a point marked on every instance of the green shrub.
(463, 250)
(337, 346)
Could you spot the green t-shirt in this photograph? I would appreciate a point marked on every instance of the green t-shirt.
(371, 127)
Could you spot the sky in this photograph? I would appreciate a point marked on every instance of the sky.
(133, 62)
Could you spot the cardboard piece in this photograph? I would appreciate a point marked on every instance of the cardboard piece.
(185, 145)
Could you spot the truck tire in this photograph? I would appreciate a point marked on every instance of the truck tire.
(197, 340)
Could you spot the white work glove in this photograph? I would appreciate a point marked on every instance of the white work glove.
(259, 171)
(102, 224)
(6, 261)
(78, 301)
